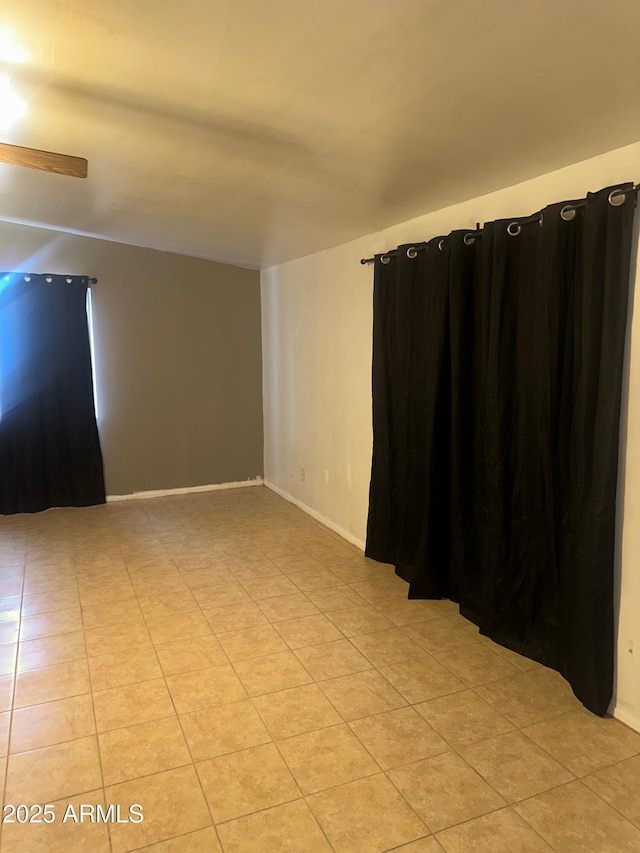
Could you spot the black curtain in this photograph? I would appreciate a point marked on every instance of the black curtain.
(49, 445)
(497, 379)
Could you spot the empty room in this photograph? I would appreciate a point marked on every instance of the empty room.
(319, 426)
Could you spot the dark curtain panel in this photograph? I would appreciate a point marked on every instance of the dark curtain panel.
(497, 378)
(49, 446)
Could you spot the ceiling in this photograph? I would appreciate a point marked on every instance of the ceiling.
(259, 131)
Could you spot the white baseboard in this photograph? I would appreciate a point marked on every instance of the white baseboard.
(627, 717)
(187, 490)
(327, 522)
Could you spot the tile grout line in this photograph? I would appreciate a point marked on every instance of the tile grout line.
(344, 723)
(303, 796)
(257, 711)
(519, 730)
(95, 720)
(5, 779)
(177, 716)
(15, 684)
(273, 741)
(585, 776)
(508, 804)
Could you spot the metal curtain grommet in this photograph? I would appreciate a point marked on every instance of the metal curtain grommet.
(513, 229)
(469, 239)
(49, 279)
(412, 252)
(541, 220)
(385, 259)
(440, 242)
(568, 213)
(617, 198)
(27, 278)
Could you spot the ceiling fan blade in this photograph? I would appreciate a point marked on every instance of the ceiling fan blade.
(61, 164)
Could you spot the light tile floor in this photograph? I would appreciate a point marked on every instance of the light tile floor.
(257, 686)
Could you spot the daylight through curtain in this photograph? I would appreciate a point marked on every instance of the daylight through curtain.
(49, 446)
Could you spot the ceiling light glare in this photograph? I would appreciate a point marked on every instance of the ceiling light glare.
(10, 50)
(12, 106)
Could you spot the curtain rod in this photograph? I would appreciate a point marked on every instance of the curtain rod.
(48, 276)
(513, 228)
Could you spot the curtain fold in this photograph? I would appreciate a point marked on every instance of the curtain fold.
(49, 445)
(497, 380)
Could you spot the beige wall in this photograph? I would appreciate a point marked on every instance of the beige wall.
(316, 331)
(178, 358)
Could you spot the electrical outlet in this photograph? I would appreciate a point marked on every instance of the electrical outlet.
(302, 474)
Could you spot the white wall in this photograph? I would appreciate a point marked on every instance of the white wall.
(316, 333)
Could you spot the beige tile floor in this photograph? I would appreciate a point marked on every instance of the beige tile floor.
(257, 686)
